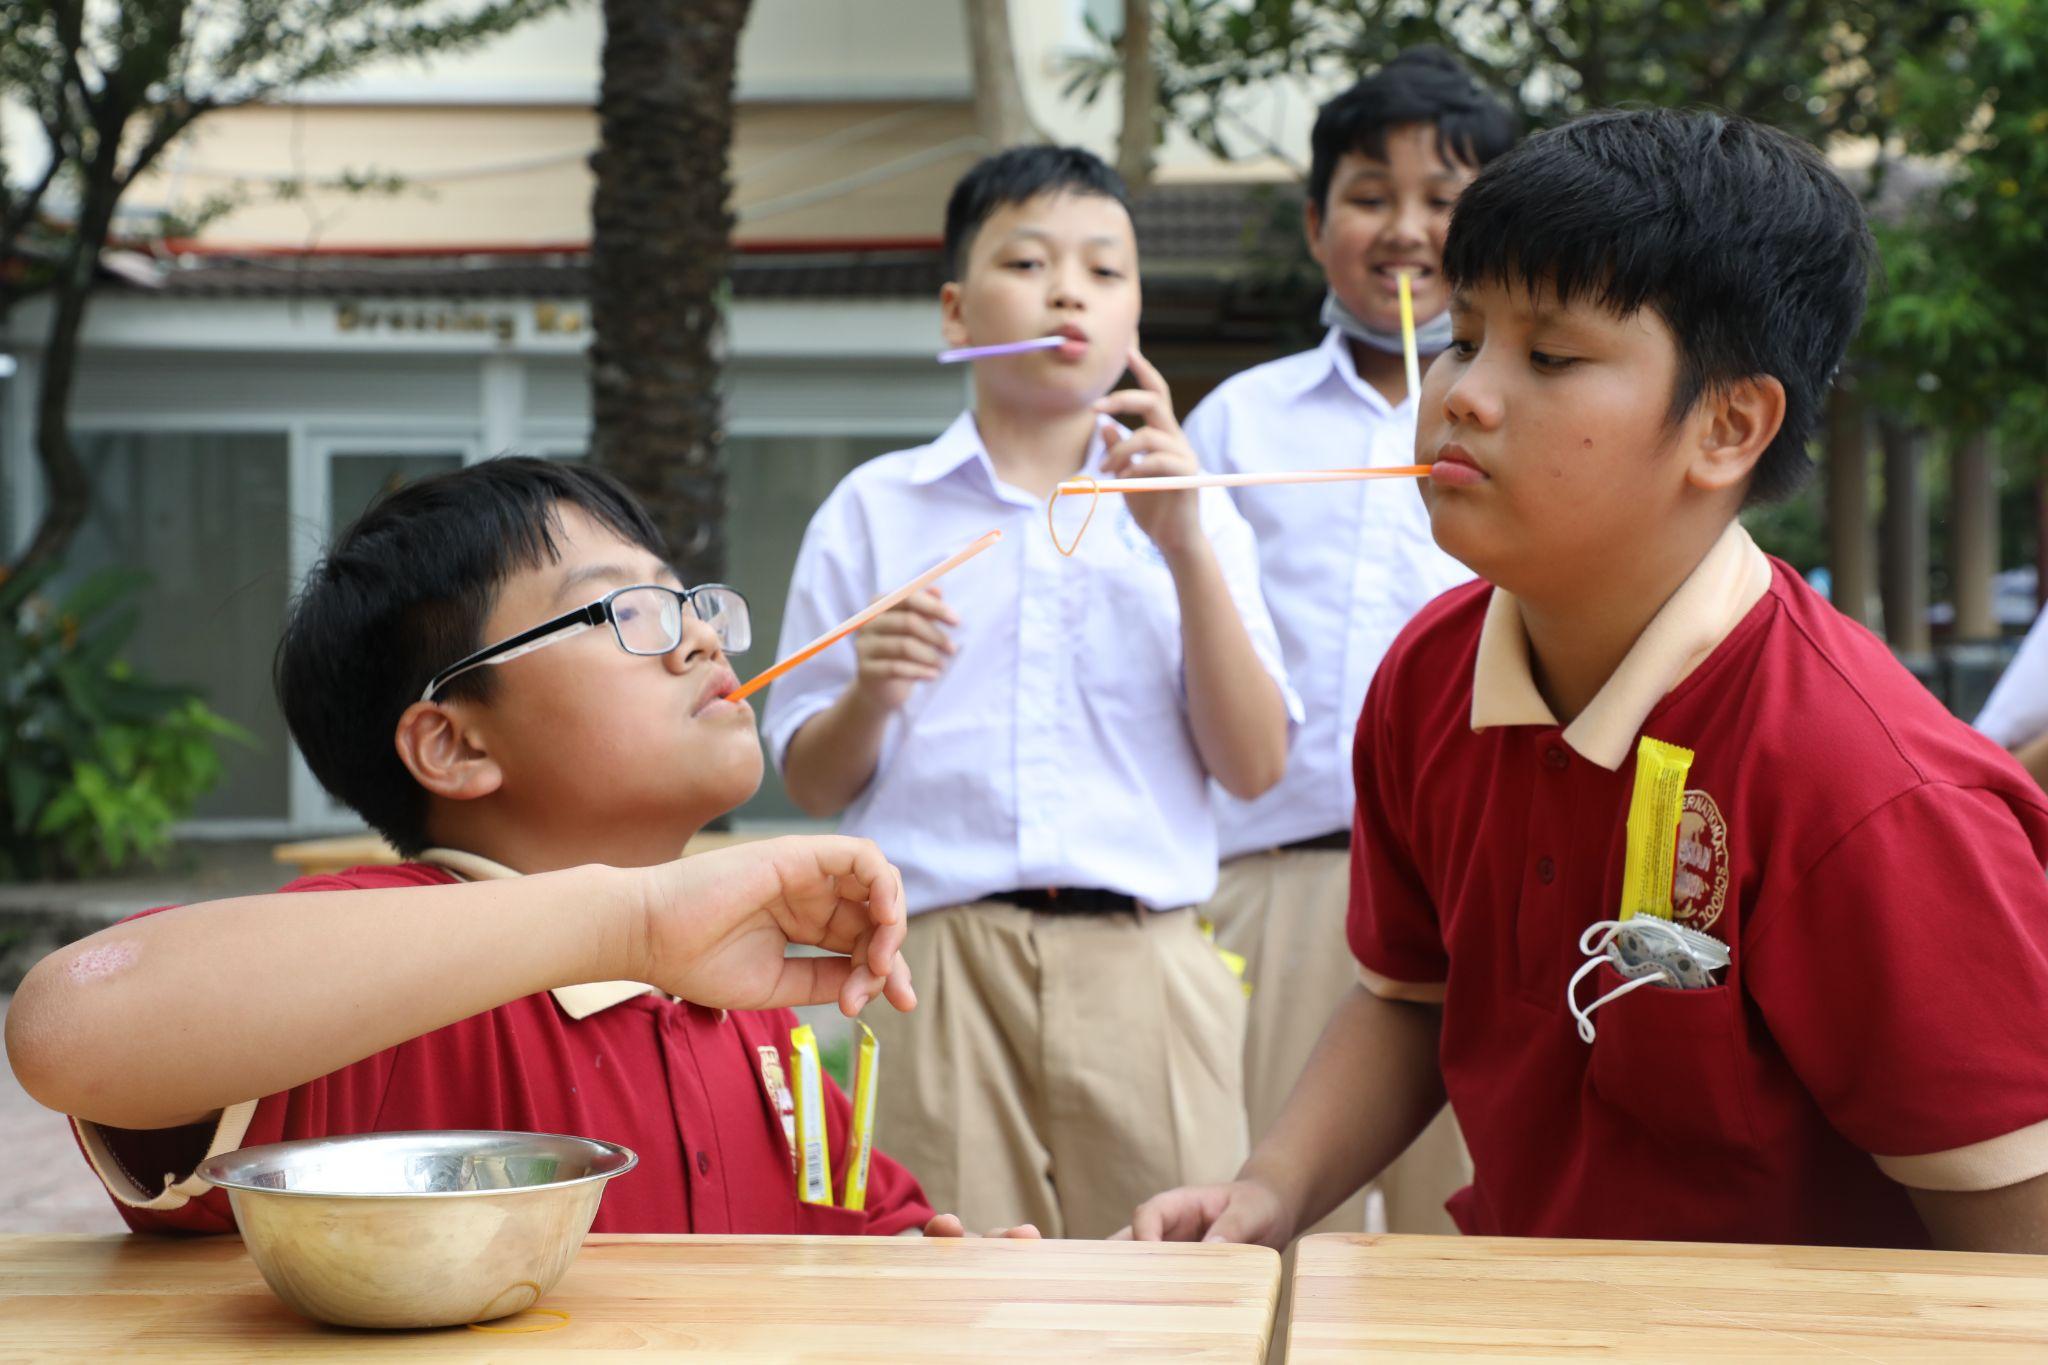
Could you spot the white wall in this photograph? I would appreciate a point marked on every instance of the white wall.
(791, 50)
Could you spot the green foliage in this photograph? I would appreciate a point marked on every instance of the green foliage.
(97, 763)
(1959, 331)
(1951, 99)
(1819, 68)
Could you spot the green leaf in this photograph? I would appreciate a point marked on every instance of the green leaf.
(26, 790)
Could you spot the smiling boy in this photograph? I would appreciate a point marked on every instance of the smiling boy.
(1648, 310)
(1033, 748)
(498, 670)
(1344, 566)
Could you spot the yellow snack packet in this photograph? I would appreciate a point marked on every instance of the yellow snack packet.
(1654, 809)
(813, 1171)
(860, 1144)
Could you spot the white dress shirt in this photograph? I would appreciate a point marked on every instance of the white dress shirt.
(1344, 566)
(1054, 750)
(2016, 712)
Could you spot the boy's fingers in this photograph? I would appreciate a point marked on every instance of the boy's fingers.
(1147, 374)
(897, 625)
(898, 990)
(1023, 1232)
(1122, 1234)
(1148, 1224)
(945, 1225)
(1141, 401)
(809, 981)
(900, 668)
(908, 648)
(1235, 1224)
(928, 602)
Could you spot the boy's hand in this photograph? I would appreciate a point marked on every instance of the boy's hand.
(714, 927)
(949, 1225)
(906, 646)
(1154, 450)
(1242, 1211)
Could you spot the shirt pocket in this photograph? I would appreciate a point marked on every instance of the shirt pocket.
(830, 1220)
(1672, 1062)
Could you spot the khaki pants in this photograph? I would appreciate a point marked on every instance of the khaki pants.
(1284, 911)
(1061, 1068)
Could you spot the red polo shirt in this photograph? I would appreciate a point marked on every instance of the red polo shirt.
(695, 1092)
(1875, 865)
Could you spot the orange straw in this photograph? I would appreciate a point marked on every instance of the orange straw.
(859, 619)
(1179, 482)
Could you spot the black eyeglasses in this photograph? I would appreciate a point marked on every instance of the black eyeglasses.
(646, 619)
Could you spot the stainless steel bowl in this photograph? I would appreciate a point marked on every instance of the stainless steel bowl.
(416, 1229)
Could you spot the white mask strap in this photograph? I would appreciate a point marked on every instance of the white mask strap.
(1660, 976)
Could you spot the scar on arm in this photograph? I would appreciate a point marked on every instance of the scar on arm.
(100, 962)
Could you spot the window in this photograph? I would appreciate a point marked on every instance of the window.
(205, 515)
(773, 485)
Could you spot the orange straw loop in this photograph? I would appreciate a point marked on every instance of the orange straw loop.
(1094, 490)
(1180, 483)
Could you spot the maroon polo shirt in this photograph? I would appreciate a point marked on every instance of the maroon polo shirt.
(695, 1092)
(1875, 865)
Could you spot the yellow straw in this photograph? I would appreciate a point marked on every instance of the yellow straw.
(1408, 356)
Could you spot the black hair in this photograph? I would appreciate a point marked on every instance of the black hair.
(1741, 237)
(403, 593)
(1016, 176)
(1424, 85)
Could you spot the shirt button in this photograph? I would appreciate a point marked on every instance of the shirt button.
(1556, 759)
(703, 1163)
(1546, 871)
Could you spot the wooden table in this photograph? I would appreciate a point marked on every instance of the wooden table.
(1357, 1296)
(734, 1298)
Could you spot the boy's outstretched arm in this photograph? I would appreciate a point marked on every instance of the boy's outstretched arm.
(160, 1021)
(1370, 1087)
(1236, 710)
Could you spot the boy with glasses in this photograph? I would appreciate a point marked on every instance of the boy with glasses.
(521, 970)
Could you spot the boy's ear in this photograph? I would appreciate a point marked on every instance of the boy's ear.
(951, 324)
(1312, 228)
(444, 755)
(1738, 423)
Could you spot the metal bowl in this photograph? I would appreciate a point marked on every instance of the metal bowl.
(416, 1229)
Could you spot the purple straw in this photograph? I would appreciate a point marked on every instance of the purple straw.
(1006, 348)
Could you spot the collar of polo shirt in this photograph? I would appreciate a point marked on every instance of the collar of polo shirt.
(1711, 602)
(578, 1002)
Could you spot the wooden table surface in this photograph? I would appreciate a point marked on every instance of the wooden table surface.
(1360, 1296)
(735, 1298)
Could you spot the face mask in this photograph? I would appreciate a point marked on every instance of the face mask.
(1644, 951)
(1430, 337)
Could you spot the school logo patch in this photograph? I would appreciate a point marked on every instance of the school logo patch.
(777, 1086)
(1699, 884)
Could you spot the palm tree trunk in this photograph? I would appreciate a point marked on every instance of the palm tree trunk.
(66, 489)
(661, 224)
(1000, 114)
(1141, 97)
